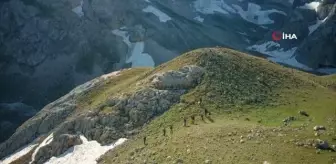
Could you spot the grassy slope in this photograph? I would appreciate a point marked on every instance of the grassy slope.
(237, 87)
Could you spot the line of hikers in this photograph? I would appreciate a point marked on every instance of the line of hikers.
(193, 118)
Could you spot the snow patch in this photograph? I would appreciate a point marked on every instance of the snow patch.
(124, 35)
(86, 153)
(45, 142)
(313, 27)
(137, 57)
(310, 6)
(199, 18)
(79, 9)
(23, 151)
(213, 6)
(255, 15)
(278, 54)
(161, 15)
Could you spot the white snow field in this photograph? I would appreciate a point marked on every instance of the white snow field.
(79, 9)
(137, 57)
(253, 14)
(313, 27)
(86, 153)
(310, 6)
(199, 18)
(23, 151)
(213, 6)
(161, 15)
(279, 55)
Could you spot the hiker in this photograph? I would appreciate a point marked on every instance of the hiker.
(184, 122)
(202, 117)
(206, 112)
(164, 131)
(144, 140)
(171, 129)
(192, 119)
(200, 102)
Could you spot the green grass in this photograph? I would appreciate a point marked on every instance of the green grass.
(124, 83)
(243, 93)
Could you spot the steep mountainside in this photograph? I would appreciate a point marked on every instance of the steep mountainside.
(52, 46)
(249, 98)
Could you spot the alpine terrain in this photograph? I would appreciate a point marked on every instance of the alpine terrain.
(47, 47)
(212, 105)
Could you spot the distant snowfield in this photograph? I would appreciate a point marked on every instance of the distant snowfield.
(312, 28)
(253, 14)
(86, 153)
(79, 9)
(279, 55)
(213, 6)
(311, 6)
(161, 15)
(199, 18)
(137, 57)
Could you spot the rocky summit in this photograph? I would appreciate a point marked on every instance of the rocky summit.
(212, 105)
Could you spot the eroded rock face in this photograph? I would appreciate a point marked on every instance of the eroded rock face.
(122, 117)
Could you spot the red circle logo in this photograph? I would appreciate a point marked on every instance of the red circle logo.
(276, 36)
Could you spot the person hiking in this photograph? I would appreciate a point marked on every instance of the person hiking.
(184, 122)
(171, 129)
(202, 117)
(192, 119)
(145, 140)
(164, 131)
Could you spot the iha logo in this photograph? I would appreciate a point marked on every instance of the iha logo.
(276, 36)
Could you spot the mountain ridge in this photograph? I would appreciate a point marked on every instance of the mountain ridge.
(134, 101)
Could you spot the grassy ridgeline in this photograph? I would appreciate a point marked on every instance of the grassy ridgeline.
(248, 98)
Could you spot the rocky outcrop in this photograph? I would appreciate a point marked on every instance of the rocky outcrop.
(186, 77)
(119, 117)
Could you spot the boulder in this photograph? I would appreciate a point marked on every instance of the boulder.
(323, 145)
(184, 78)
(319, 127)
